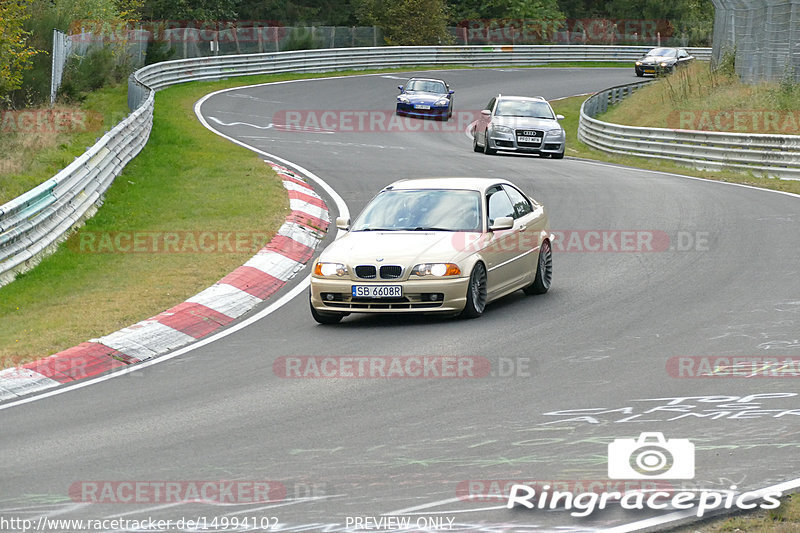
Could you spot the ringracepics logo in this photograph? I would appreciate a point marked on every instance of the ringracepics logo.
(648, 457)
(651, 457)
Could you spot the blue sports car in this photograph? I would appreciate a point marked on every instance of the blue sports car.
(425, 97)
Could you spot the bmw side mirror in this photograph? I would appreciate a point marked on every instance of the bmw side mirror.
(502, 223)
(486, 112)
(400, 87)
(451, 91)
(343, 223)
(559, 117)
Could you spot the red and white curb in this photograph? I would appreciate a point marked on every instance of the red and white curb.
(202, 314)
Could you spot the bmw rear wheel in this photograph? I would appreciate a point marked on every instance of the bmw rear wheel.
(476, 293)
(544, 271)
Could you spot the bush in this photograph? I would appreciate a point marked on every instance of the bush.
(98, 68)
(300, 39)
(158, 51)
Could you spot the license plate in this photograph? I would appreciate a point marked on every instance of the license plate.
(529, 139)
(421, 106)
(377, 291)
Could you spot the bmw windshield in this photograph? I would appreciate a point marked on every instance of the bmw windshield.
(422, 210)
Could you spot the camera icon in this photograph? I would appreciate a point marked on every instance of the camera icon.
(651, 457)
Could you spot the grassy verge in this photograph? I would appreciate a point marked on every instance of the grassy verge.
(703, 99)
(187, 179)
(37, 143)
(570, 108)
(784, 519)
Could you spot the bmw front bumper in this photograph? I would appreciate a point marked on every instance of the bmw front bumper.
(445, 295)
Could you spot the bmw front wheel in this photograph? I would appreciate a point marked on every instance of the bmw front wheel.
(476, 293)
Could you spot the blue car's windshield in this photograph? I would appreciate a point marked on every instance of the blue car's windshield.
(427, 86)
(425, 209)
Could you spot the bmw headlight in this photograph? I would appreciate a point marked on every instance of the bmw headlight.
(403, 100)
(329, 270)
(438, 270)
(638, 63)
(664, 64)
(444, 102)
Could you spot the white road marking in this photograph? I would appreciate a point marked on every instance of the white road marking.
(276, 127)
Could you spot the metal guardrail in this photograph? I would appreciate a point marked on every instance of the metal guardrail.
(32, 224)
(208, 68)
(771, 155)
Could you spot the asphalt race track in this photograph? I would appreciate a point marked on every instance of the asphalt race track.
(572, 370)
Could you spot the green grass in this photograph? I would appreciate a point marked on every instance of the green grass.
(784, 519)
(570, 108)
(186, 179)
(710, 100)
(28, 158)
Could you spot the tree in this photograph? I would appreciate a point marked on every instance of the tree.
(15, 54)
(407, 22)
(464, 10)
(189, 10)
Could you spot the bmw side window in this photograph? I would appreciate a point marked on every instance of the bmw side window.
(521, 204)
(499, 205)
(490, 105)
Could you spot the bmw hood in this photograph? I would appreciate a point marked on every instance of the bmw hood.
(405, 248)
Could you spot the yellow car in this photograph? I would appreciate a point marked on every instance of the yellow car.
(441, 245)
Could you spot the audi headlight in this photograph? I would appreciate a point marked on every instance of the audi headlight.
(496, 128)
(664, 64)
(329, 270)
(438, 270)
(556, 132)
(638, 63)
